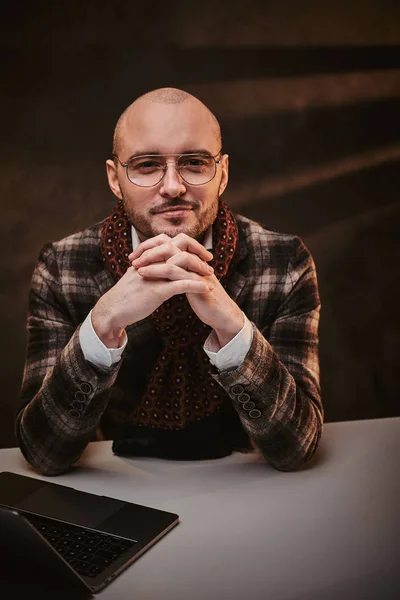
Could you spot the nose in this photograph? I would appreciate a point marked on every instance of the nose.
(172, 184)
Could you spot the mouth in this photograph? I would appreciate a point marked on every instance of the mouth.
(173, 211)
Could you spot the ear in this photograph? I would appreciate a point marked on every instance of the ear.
(112, 175)
(224, 174)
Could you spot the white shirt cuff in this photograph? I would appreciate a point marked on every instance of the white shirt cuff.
(233, 353)
(93, 348)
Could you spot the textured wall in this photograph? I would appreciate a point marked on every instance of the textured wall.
(308, 98)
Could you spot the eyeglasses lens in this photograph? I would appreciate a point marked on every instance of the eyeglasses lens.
(195, 169)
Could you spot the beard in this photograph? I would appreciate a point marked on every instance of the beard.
(146, 229)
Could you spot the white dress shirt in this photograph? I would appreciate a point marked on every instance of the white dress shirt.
(229, 356)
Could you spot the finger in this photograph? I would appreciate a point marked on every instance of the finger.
(184, 242)
(167, 271)
(156, 254)
(189, 286)
(190, 262)
(157, 240)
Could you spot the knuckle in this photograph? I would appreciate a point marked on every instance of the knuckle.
(165, 251)
(170, 269)
(175, 259)
(182, 239)
(170, 247)
(163, 237)
(184, 256)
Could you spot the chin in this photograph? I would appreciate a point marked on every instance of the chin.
(173, 230)
(149, 228)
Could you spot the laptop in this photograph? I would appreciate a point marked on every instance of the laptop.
(71, 538)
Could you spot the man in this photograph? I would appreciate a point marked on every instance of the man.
(173, 327)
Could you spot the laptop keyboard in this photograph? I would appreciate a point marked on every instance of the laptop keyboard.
(88, 552)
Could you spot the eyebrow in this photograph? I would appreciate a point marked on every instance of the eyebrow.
(202, 151)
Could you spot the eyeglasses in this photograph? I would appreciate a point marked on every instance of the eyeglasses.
(149, 169)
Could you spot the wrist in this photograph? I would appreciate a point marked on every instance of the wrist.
(107, 330)
(231, 327)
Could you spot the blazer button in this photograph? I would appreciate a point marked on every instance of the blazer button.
(80, 396)
(237, 389)
(86, 387)
(249, 405)
(74, 413)
(77, 405)
(255, 413)
(242, 398)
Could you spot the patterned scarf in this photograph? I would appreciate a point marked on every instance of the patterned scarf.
(181, 389)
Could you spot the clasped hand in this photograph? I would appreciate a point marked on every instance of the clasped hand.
(162, 267)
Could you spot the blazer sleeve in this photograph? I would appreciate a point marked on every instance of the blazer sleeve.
(276, 389)
(63, 396)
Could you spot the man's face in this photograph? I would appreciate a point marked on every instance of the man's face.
(172, 206)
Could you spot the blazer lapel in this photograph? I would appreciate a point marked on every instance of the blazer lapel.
(237, 281)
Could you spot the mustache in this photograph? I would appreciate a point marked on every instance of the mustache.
(173, 203)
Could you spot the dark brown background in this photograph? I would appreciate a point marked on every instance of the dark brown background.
(307, 94)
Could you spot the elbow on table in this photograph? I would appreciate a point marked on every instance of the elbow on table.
(41, 464)
(50, 471)
(43, 467)
(293, 454)
(38, 458)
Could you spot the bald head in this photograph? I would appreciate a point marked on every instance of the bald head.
(163, 96)
(166, 96)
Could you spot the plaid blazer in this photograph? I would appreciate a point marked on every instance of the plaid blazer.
(275, 391)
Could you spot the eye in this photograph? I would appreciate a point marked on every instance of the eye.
(195, 163)
(145, 165)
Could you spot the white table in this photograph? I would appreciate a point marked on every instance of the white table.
(330, 531)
